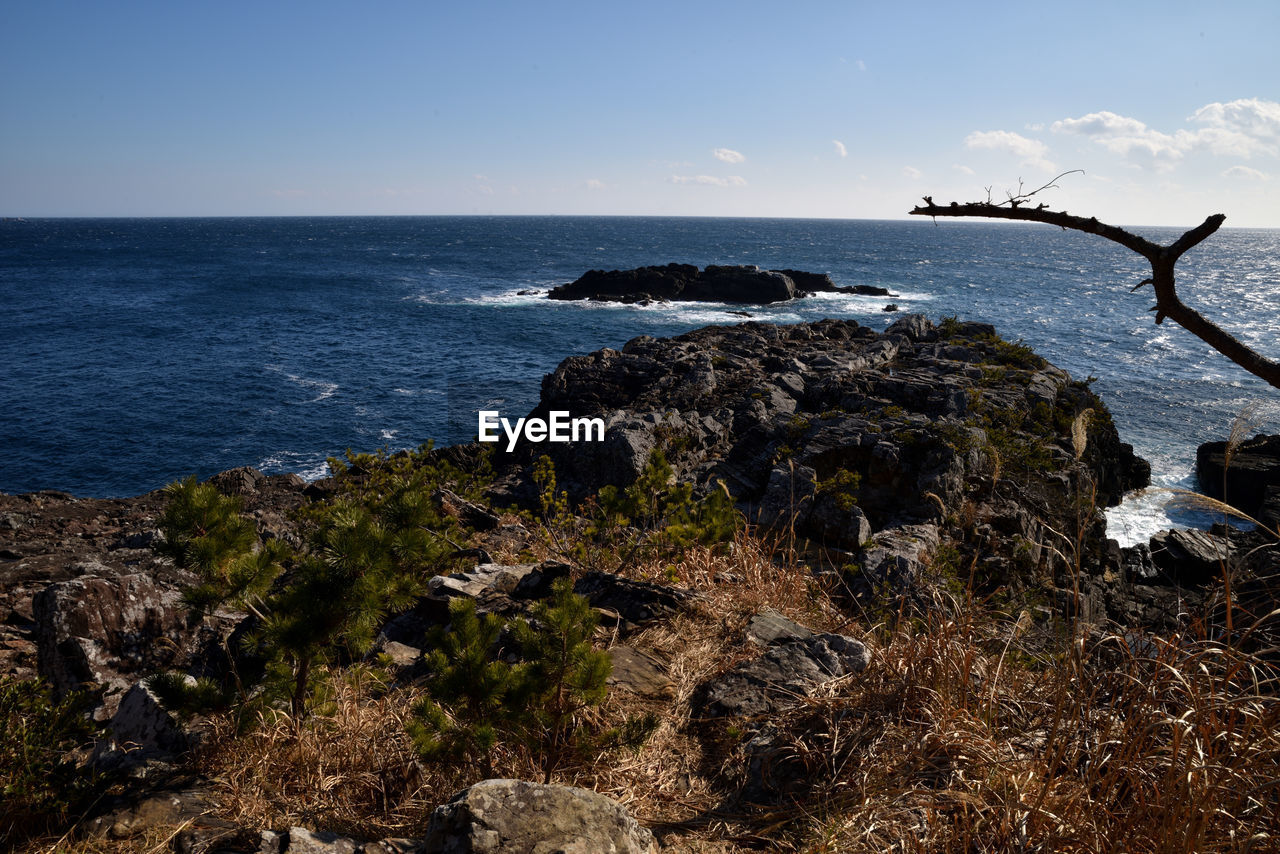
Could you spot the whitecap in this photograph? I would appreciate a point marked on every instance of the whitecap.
(510, 297)
(326, 389)
(309, 467)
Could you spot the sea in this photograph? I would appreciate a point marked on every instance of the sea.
(134, 352)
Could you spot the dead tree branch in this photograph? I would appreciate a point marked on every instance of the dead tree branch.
(1161, 258)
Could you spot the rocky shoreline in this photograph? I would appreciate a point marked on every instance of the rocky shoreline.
(900, 466)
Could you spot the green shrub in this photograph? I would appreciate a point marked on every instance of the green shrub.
(564, 672)
(40, 784)
(205, 532)
(473, 695)
(475, 700)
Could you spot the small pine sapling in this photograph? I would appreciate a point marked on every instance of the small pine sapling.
(473, 695)
(565, 674)
(204, 531)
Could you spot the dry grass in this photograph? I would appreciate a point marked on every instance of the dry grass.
(974, 732)
(1175, 747)
(350, 771)
(970, 731)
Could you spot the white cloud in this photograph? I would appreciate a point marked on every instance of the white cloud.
(1242, 128)
(1125, 136)
(912, 172)
(728, 155)
(1252, 116)
(962, 169)
(1246, 173)
(596, 184)
(710, 180)
(840, 148)
(1031, 152)
(862, 66)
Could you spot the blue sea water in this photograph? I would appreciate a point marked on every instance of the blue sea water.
(137, 351)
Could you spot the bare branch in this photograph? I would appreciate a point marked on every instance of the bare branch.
(1161, 258)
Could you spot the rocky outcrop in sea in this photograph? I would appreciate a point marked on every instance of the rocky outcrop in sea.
(685, 282)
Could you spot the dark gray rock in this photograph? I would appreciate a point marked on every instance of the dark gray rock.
(110, 631)
(726, 283)
(916, 327)
(141, 730)
(785, 673)
(1252, 480)
(515, 817)
(467, 512)
(238, 481)
(770, 627)
(1190, 557)
(636, 602)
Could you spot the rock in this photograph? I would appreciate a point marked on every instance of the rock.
(238, 481)
(187, 809)
(401, 655)
(1252, 479)
(770, 627)
(787, 671)
(142, 729)
(745, 284)
(467, 512)
(838, 432)
(894, 558)
(636, 602)
(640, 673)
(1190, 557)
(303, 841)
(109, 631)
(515, 817)
(817, 283)
(732, 284)
(537, 584)
(915, 326)
(475, 583)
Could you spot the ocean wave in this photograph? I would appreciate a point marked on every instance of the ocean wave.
(326, 388)
(309, 467)
(511, 297)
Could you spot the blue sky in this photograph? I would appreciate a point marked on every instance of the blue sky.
(810, 109)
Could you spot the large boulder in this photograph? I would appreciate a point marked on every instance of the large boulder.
(110, 631)
(515, 817)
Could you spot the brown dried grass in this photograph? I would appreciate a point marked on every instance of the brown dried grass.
(970, 730)
(351, 771)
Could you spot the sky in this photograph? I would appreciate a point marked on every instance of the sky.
(806, 109)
